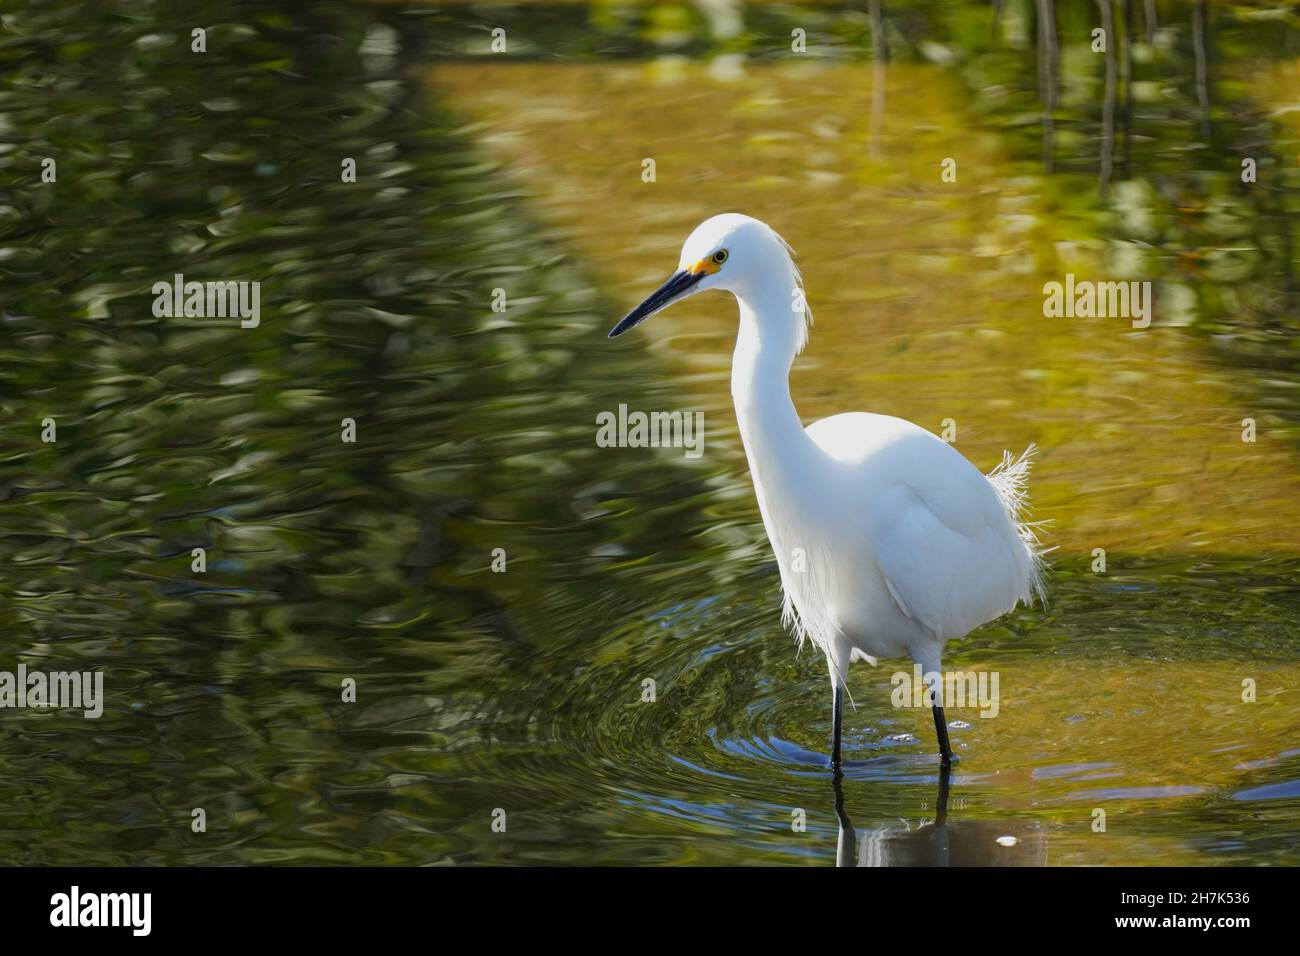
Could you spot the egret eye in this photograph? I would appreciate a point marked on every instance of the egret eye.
(720, 256)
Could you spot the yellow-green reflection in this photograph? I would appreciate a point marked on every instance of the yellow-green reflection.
(927, 295)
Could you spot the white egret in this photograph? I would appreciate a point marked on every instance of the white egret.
(889, 542)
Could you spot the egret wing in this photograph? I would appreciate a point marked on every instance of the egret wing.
(950, 576)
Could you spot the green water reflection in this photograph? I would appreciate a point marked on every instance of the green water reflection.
(475, 431)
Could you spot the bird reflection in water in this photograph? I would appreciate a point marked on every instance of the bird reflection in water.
(938, 843)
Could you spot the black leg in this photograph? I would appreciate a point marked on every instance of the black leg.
(837, 725)
(941, 729)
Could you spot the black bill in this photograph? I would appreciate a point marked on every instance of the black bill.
(675, 288)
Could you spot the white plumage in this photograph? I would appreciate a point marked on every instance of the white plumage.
(889, 542)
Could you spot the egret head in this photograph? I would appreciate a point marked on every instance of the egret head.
(731, 252)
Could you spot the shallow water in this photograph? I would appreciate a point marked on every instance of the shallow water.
(524, 690)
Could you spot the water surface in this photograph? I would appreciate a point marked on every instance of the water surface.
(524, 690)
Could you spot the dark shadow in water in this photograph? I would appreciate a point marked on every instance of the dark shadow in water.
(1108, 102)
(1200, 27)
(1047, 76)
(939, 843)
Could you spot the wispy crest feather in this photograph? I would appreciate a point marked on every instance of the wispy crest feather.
(798, 279)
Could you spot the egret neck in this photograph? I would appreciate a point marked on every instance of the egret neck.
(771, 334)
